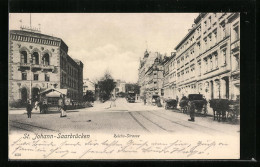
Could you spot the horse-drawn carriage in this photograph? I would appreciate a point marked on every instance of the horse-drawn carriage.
(199, 102)
(225, 109)
(170, 104)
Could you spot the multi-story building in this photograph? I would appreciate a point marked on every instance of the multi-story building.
(154, 76)
(169, 77)
(151, 74)
(38, 62)
(208, 57)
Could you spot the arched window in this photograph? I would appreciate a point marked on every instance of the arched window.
(23, 56)
(35, 58)
(46, 59)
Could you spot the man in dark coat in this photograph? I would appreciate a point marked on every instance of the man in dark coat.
(29, 109)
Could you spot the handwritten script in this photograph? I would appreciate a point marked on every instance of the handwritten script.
(94, 147)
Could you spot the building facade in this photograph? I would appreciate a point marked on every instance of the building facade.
(169, 77)
(88, 85)
(38, 62)
(150, 77)
(207, 58)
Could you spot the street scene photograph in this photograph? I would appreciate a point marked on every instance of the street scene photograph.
(124, 86)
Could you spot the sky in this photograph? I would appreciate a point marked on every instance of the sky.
(111, 41)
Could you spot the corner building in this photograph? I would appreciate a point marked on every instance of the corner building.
(38, 62)
(208, 57)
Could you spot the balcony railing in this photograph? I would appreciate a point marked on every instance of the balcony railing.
(36, 66)
(23, 66)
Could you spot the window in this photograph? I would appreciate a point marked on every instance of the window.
(35, 77)
(155, 82)
(237, 62)
(236, 31)
(199, 64)
(205, 42)
(24, 76)
(210, 39)
(53, 101)
(198, 44)
(23, 57)
(47, 77)
(35, 57)
(206, 64)
(215, 36)
(205, 24)
(211, 63)
(46, 59)
(224, 56)
(216, 60)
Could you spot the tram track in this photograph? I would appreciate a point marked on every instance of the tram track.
(156, 124)
(138, 122)
(208, 128)
(29, 127)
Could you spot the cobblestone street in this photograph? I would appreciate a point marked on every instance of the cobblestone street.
(124, 118)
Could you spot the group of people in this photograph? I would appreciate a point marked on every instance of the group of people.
(192, 106)
(29, 107)
(43, 107)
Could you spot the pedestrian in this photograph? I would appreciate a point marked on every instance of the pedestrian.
(62, 107)
(144, 99)
(158, 101)
(113, 103)
(192, 111)
(40, 106)
(29, 109)
(36, 105)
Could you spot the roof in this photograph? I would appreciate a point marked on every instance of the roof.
(185, 38)
(60, 91)
(28, 33)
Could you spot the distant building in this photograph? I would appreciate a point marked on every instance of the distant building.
(150, 76)
(88, 86)
(120, 87)
(38, 62)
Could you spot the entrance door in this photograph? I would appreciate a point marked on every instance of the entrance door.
(24, 95)
(35, 92)
(212, 89)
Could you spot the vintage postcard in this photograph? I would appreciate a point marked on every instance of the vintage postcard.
(124, 86)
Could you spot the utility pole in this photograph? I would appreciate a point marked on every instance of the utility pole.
(30, 21)
(31, 78)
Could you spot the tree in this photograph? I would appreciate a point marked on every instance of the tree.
(106, 85)
(89, 96)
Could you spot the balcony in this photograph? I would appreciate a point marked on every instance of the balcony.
(23, 66)
(47, 67)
